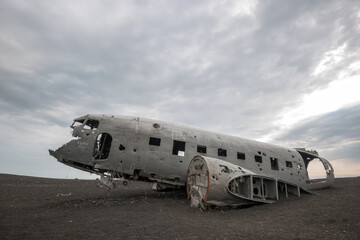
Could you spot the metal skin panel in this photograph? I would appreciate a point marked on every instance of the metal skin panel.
(130, 156)
(208, 178)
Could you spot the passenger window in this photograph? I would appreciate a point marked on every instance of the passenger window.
(289, 164)
(222, 152)
(241, 155)
(179, 148)
(154, 141)
(274, 163)
(258, 159)
(201, 149)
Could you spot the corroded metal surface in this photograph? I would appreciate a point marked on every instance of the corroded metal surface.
(239, 170)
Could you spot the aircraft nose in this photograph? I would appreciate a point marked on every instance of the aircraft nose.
(56, 154)
(52, 152)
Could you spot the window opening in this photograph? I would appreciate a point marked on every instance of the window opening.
(78, 123)
(258, 158)
(274, 163)
(289, 164)
(201, 149)
(179, 148)
(241, 155)
(222, 152)
(102, 146)
(154, 141)
(91, 124)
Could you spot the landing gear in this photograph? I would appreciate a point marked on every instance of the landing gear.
(109, 181)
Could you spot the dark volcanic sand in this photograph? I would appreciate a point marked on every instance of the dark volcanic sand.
(33, 208)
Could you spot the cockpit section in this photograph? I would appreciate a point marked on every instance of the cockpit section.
(89, 149)
(84, 126)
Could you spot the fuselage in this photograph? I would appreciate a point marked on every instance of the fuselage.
(150, 150)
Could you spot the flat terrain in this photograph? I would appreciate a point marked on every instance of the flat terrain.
(40, 208)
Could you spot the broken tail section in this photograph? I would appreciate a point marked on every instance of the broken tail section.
(214, 182)
(315, 184)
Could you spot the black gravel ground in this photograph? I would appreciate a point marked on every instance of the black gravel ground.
(41, 208)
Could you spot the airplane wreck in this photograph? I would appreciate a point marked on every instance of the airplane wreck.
(216, 169)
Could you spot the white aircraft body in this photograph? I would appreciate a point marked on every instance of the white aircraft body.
(217, 169)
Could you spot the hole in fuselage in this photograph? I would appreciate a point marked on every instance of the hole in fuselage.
(316, 169)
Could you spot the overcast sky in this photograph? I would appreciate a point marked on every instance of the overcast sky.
(283, 72)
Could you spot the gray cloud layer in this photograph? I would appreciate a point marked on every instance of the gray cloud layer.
(337, 130)
(206, 64)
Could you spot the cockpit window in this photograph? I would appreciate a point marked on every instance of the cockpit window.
(91, 124)
(77, 123)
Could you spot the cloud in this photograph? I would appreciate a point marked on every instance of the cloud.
(223, 66)
(335, 135)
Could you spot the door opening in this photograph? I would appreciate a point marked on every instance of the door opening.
(102, 146)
